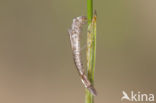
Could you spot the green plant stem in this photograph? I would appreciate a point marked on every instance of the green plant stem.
(89, 10)
(91, 49)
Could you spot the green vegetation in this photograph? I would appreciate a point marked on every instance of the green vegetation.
(91, 48)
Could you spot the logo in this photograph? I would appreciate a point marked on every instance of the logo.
(137, 96)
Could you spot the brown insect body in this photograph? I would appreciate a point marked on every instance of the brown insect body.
(74, 33)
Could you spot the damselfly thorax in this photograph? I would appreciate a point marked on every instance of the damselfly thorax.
(74, 34)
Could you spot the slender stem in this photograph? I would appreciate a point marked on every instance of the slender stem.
(91, 48)
(89, 10)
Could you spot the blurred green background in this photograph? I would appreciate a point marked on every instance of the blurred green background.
(36, 64)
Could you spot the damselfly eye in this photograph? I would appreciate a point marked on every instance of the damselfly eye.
(84, 18)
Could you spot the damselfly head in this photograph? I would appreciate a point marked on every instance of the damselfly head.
(82, 19)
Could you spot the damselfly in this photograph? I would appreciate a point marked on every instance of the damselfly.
(74, 34)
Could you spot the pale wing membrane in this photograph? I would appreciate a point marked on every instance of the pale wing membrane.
(74, 33)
